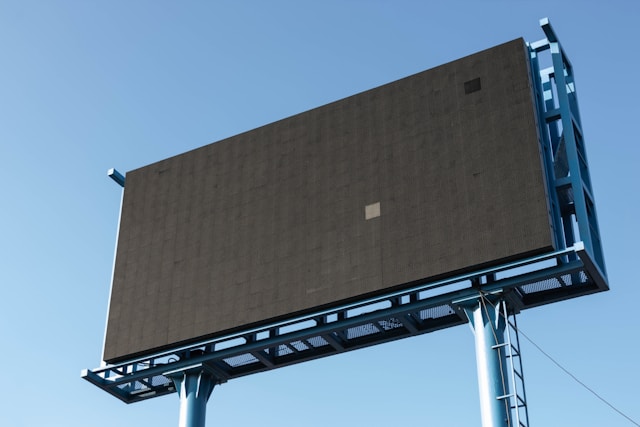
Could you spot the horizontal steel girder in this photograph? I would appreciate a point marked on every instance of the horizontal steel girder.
(409, 312)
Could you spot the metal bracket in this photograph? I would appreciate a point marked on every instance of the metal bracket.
(116, 176)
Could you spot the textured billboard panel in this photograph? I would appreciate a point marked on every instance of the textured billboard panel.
(428, 176)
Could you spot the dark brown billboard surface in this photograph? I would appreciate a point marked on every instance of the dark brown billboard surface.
(428, 176)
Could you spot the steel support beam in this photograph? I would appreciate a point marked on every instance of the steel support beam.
(489, 330)
(194, 386)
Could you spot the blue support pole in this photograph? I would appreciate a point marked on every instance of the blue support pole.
(489, 329)
(194, 386)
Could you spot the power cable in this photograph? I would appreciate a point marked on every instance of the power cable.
(565, 370)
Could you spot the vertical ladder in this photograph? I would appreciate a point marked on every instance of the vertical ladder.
(503, 400)
(516, 398)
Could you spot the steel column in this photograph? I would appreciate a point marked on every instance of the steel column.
(194, 386)
(489, 329)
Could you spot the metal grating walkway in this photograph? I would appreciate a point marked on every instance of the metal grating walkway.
(418, 310)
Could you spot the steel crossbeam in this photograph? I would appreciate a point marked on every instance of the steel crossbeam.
(414, 311)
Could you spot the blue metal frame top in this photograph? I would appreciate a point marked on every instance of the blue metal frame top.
(576, 268)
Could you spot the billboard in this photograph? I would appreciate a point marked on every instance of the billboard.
(426, 177)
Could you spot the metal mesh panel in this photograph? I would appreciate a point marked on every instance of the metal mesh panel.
(578, 278)
(283, 350)
(134, 386)
(299, 345)
(575, 279)
(584, 277)
(317, 342)
(159, 380)
(436, 312)
(240, 360)
(362, 330)
(389, 324)
(540, 286)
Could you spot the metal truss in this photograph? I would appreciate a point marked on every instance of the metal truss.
(576, 268)
(418, 310)
(562, 140)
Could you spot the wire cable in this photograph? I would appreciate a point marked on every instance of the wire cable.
(565, 370)
(576, 379)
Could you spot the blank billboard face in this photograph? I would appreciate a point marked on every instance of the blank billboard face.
(428, 176)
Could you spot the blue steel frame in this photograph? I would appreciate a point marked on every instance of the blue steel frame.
(562, 139)
(574, 269)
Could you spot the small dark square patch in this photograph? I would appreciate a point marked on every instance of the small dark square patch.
(472, 86)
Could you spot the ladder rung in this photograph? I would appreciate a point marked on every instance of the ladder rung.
(515, 400)
(505, 396)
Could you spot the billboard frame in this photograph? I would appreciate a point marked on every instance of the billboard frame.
(575, 269)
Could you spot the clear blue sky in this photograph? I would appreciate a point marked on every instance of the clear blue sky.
(87, 85)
